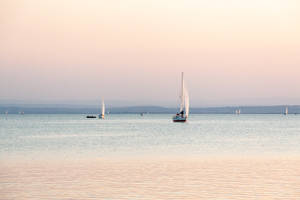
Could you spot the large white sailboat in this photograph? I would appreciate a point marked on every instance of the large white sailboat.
(101, 116)
(183, 113)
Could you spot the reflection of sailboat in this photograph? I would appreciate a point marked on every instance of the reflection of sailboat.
(183, 113)
(101, 116)
(286, 111)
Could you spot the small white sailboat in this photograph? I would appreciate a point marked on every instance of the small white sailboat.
(101, 116)
(183, 113)
(286, 111)
(238, 111)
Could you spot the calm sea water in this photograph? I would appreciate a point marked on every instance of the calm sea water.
(130, 135)
(212, 157)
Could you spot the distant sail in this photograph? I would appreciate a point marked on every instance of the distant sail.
(102, 111)
(103, 108)
(286, 111)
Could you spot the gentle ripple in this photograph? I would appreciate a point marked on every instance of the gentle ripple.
(216, 157)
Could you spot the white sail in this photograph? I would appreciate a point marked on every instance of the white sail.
(286, 111)
(186, 102)
(103, 108)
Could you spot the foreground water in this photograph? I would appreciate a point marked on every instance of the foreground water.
(149, 157)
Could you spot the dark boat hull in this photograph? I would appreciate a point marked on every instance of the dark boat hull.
(90, 116)
(179, 120)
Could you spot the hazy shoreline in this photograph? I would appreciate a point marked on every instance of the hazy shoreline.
(71, 109)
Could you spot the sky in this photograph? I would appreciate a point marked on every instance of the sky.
(233, 52)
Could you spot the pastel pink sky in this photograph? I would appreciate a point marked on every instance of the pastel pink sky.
(232, 51)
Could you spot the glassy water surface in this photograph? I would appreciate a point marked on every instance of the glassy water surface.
(149, 157)
(150, 134)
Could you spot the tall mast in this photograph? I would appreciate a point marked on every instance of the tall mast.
(182, 93)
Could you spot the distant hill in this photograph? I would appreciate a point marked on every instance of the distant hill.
(69, 109)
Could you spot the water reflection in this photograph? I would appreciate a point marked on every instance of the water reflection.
(152, 179)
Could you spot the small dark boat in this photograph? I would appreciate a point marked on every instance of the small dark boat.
(90, 116)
